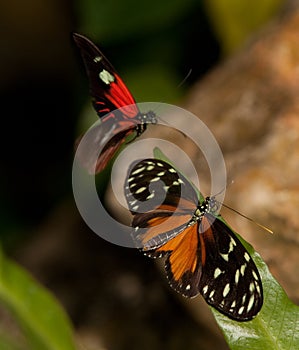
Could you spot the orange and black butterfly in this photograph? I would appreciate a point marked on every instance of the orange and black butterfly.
(203, 255)
(112, 101)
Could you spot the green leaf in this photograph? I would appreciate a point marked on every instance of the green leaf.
(276, 327)
(277, 324)
(39, 315)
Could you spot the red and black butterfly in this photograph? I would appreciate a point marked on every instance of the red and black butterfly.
(112, 101)
(203, 255)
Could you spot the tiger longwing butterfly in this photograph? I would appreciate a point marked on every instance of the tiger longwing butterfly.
(112, 101)
(203, 255)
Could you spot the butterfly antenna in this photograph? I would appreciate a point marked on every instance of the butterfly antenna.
(246, 217)
(237, 212)
(185, 79)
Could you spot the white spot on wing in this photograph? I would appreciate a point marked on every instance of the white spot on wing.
(242, 269)
(250, 303)
(237, 275)
(224, 256)
(257, 287)
(246, 256)
(155, 179)
(241, 310)
(251, 287)
(205, 289)
(97, 59)
(255, 275)
(217, 272)
(137, 171)
(106, 77)
(226, 290)
(231, 245)
(140, 190)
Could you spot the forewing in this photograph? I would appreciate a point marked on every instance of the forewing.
(161, 200)
(106, 87)
(230, 281)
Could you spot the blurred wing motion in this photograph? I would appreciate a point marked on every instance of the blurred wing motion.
(112, 101)
(203, 255)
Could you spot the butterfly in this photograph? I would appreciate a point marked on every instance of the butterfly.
(203, 255)
(113, 103)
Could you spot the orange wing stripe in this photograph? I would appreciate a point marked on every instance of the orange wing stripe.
(184, 248)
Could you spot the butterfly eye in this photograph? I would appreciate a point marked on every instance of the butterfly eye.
(214, 205)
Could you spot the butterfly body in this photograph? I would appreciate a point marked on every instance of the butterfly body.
(203, 255)
(112, 101)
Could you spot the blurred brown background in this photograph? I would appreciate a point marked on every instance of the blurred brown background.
(244, 86)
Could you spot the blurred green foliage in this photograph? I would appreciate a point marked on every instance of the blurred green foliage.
(38, 314)
(117, 19)
(234, 21)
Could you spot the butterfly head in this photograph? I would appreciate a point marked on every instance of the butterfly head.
(147, 118)
(209, 205)
(144, 119)
(212, 205)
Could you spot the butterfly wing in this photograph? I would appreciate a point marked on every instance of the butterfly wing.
(106, 87)
(104, 137)
(161, 200)
(230, 281)
(183, 263)
(113, 102)
(208, 258)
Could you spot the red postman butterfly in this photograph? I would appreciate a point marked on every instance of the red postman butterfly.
(203, 255)
(112, 101)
